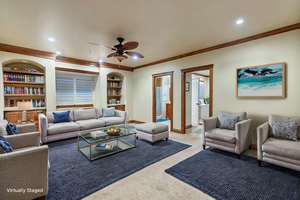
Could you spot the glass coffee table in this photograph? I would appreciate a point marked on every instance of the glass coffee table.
(118, 144)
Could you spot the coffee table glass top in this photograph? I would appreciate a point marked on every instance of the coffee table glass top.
(130, 130)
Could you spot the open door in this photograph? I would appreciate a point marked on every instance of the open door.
(195, 102)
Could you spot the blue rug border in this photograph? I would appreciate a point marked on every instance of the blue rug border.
(203, 188)
(127, 173)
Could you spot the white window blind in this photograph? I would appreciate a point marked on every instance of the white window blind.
(74, 90)
(201, 90)
(84, 92)
(64, 91)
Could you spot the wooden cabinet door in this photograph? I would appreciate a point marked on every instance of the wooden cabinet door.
(168, 110)
(13, 117)
(120, 107)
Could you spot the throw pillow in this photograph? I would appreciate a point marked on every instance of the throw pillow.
(108, 112)
(61, 117)
(5, 146)
(3, 130)
(228, 122)
(12, 129)
(287, 131)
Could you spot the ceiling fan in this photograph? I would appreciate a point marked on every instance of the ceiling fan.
(121, 49)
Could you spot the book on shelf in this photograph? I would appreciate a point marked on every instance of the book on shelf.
(23, 78)
(23, 90)
(97, 134)
(104, 147)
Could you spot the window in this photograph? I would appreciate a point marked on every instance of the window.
(200, 90)
(74, 90)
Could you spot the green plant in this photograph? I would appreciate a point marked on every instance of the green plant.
(206, 100)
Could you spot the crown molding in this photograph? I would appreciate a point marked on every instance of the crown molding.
(27, 51)
(76, 61)
(227, 44)
(114, 66)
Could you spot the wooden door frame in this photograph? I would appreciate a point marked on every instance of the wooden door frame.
(154, 76)
(183, 92)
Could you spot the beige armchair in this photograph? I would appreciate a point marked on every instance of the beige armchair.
(25, 168)
(235, 141)
(285, 153)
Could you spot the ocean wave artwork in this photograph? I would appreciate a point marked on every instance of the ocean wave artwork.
(261, 81)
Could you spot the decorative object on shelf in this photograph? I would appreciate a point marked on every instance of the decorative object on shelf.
(104, 147)
(118, 102)
(187, 86)
(24, 106)
(112, 130)
(97, 134)
(262, 81)
(206, 100)
(123, 49)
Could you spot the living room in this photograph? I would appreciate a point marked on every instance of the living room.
(218, 44)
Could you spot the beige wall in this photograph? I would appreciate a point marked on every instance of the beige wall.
(100, 83)
(279, 48)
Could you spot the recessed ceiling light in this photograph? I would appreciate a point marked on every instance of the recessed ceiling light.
(100, 60)
(24, 61)
(58, 53)
(51, 39)
(135, 57)
(239, 21)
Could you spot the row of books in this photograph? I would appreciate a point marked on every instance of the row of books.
(23, 90)
(35, 102)
(112, 92)
(113, 84)
(23, 78)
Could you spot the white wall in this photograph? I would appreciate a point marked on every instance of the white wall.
(100, 83)
(278, 48)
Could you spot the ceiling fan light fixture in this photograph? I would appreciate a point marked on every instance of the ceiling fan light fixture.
(120, 57)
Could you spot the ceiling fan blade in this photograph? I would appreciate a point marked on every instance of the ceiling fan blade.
(134, 54)
(111, 55)
(130, 45)
(102, 46)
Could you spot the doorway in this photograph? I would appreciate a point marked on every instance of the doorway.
(201, 103)
(162, 102)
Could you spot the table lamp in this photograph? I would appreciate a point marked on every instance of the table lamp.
(24, 106)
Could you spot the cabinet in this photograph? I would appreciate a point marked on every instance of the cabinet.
(168, 110)
(203, 111)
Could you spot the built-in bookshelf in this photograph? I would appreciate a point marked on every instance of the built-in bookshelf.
(114, 92)
(22, 85)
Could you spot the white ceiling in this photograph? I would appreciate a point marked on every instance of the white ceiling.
(164, 28)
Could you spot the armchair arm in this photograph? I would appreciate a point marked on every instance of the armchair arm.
(26, 128)
(43, 125)
(208, 123)
(24, 140)
(243, 131)
(24, 169)
(122, 114)
(262, 136)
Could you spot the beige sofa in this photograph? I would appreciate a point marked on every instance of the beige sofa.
(25, 167)
(285, 153)
(235, 141)
(81, 121)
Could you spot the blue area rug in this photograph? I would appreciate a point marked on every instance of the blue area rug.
(73, 176)
(221, 175)
(161, 120)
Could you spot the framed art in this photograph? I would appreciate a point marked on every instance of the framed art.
(187, 86)
(262, 81)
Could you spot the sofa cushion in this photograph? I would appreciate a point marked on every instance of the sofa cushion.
(90, 124)
(63, 127)
(108, 112)
(98, 112)
(229, 122)
(5, 146)
(224, 135)
(284, 148)
(112, 120)
(60, 117)
(50, 116)
(3, 130)
(287, 131)
(284, 119)
(152, 128)
(12, 129)
(84, 114)
(242, 116)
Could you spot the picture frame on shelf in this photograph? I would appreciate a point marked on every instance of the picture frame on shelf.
(261, 81)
